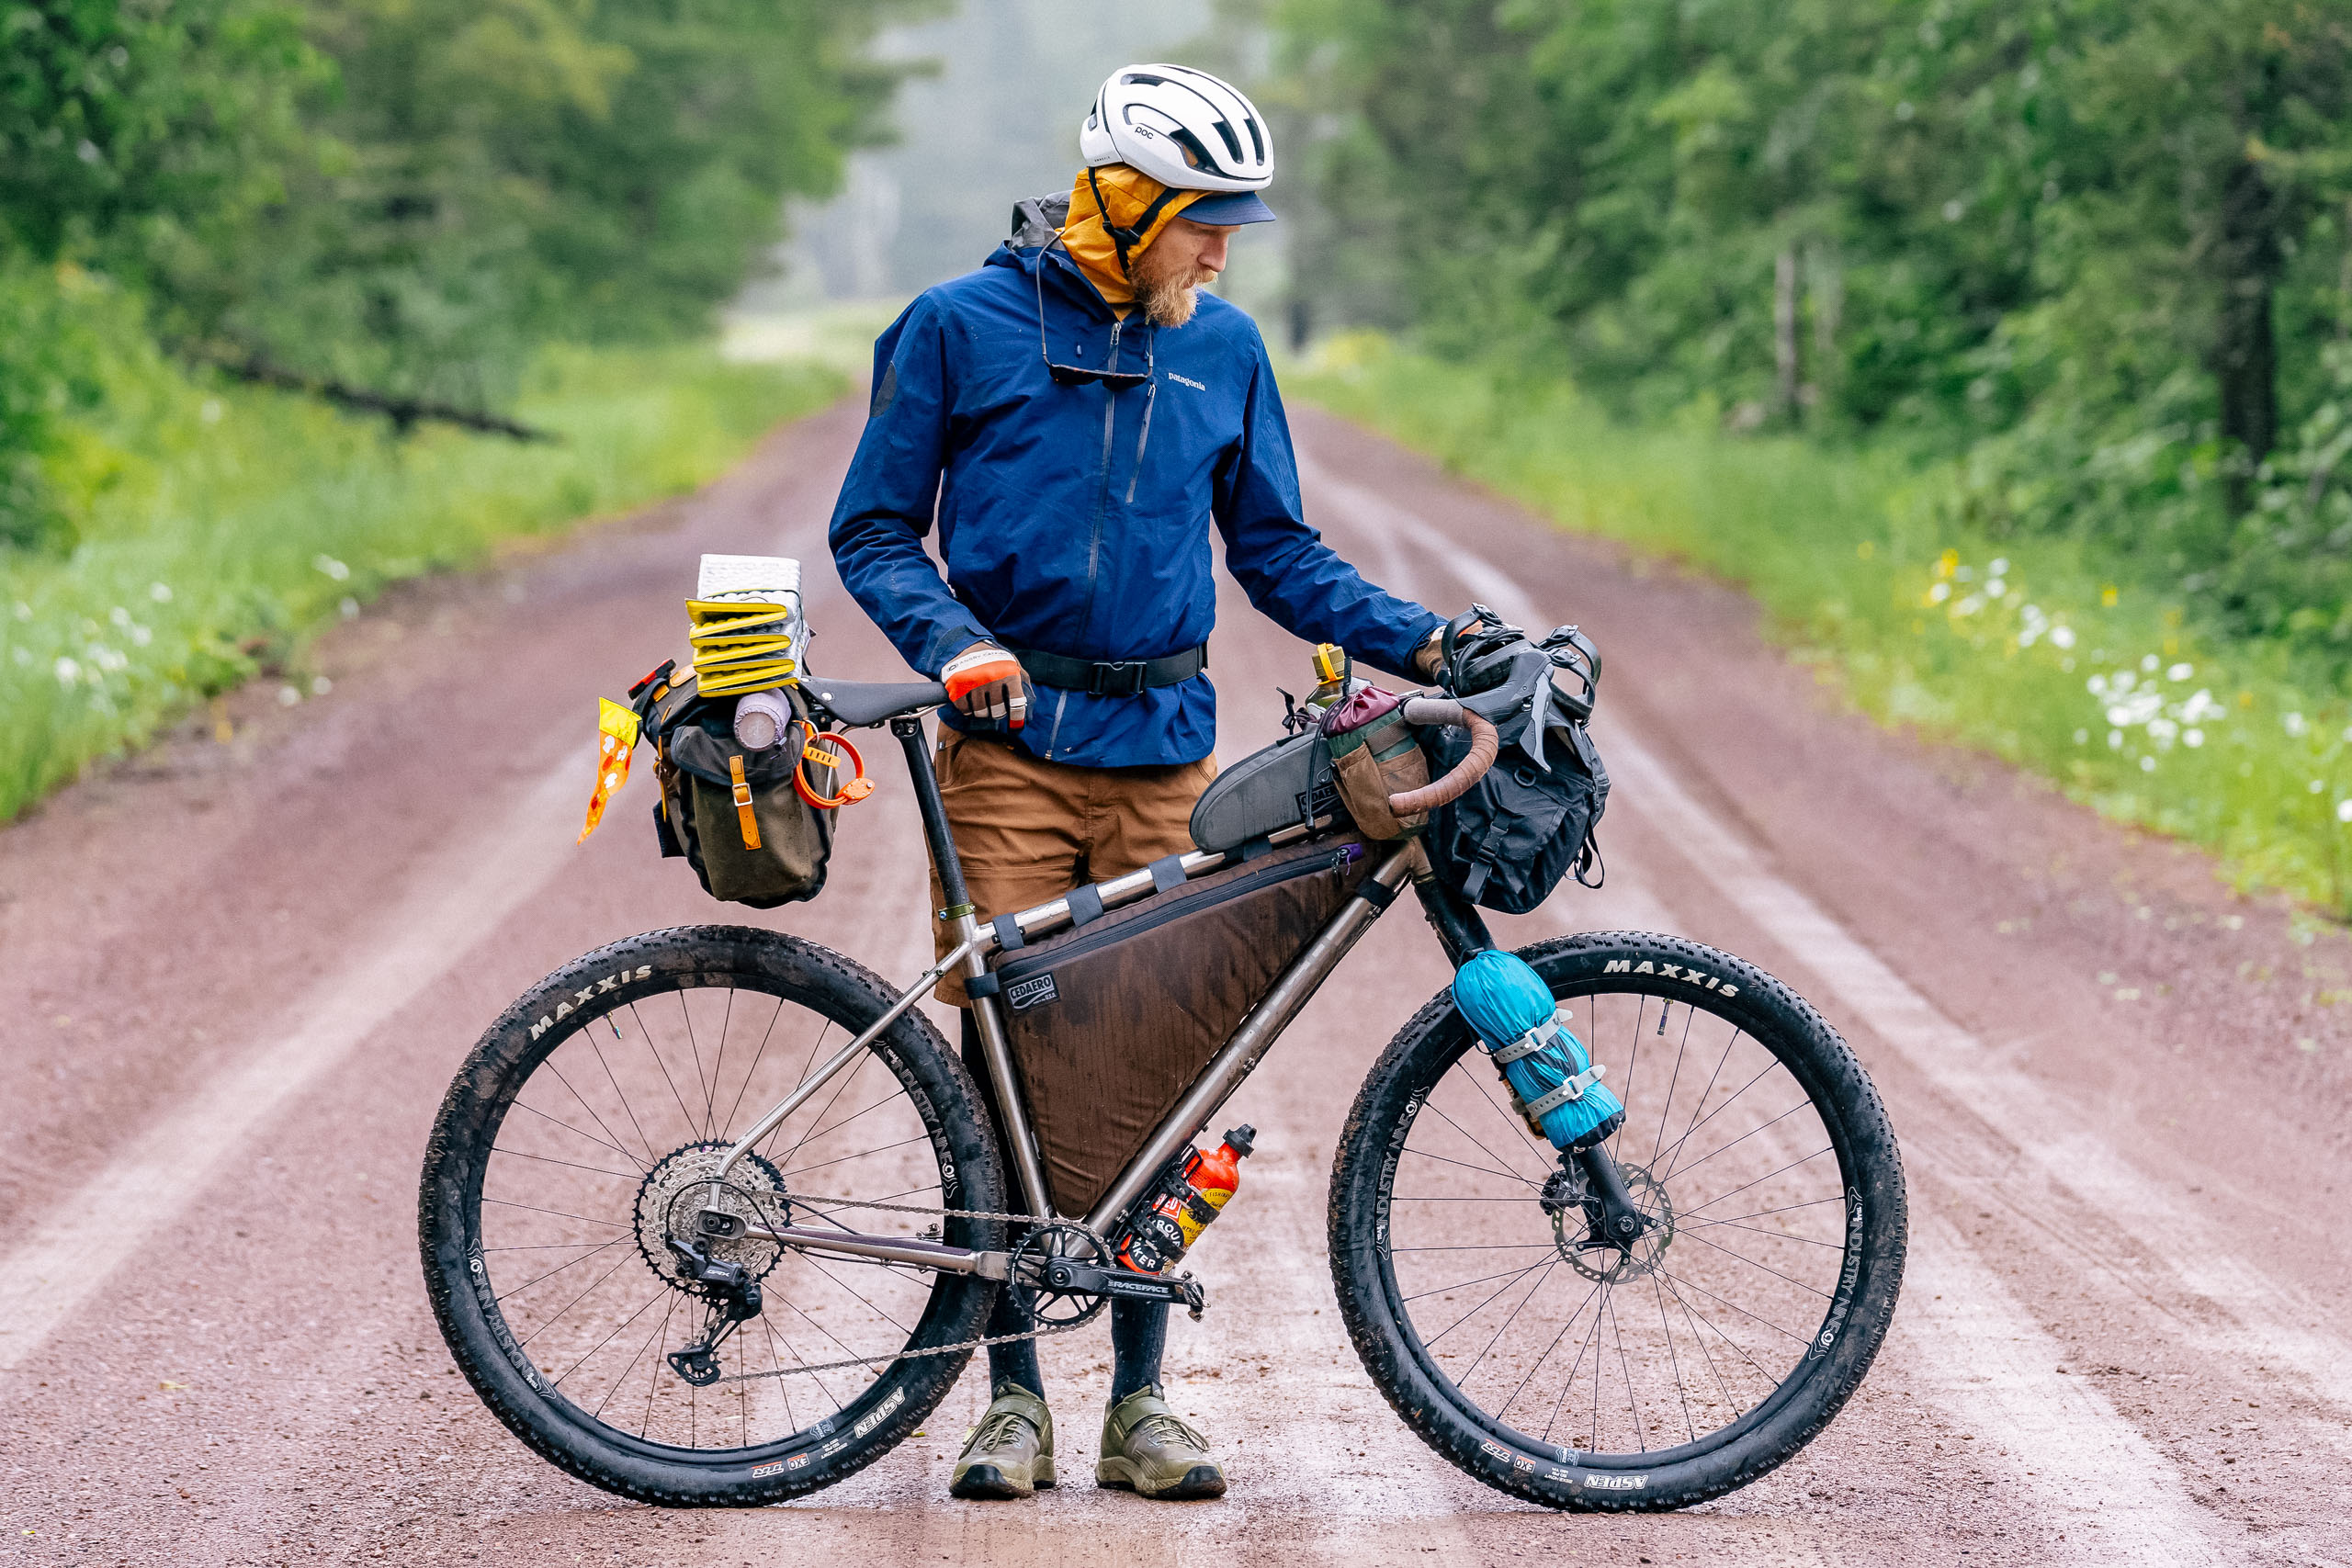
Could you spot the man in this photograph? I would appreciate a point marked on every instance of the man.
(1077, 416)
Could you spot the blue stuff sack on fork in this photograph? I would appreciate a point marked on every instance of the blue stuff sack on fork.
(1551, 1074)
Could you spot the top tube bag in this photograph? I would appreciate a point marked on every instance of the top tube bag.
(1111, 1021)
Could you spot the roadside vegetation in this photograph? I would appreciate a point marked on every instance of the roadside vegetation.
(221, 525)
(2025, 647)
(2004, 351)
(420, 223)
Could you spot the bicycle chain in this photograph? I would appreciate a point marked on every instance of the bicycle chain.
(960, 1346)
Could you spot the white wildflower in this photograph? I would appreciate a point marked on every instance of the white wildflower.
(331, 567)
(2295, 724)
(160, 592)
(66, 670)
(2180, 673)
(2192, 736)
(2062, 636)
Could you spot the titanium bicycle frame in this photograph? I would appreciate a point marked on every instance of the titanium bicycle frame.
(1458, 926)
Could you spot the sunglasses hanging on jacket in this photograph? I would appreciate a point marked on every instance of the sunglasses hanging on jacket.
(1117, 381)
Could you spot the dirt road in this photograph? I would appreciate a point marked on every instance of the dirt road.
(238, 976)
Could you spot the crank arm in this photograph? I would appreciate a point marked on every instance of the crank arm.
(1122, 1284)
(935, 1254)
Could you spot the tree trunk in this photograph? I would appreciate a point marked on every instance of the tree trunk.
(2245, 358)
(1784, 331)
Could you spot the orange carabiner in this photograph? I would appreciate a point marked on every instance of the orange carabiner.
(858, 787)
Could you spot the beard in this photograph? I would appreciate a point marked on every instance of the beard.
(1169, 289)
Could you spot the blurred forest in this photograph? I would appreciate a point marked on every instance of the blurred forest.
(2097, 254)
(406, 198)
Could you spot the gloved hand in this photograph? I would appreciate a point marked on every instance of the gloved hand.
(985, 682)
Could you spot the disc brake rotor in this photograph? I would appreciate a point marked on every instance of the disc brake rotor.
(1602, 1261)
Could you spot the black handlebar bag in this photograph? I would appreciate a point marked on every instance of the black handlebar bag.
(1110, 1021)
(1508, 842)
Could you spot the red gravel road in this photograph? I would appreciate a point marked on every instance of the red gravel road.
(237, 978)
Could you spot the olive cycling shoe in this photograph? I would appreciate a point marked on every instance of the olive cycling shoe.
(1147, 1451)
(1011, 1452)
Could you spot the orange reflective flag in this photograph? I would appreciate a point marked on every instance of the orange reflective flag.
(615, 743)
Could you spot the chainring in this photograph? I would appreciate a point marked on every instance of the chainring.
(1055, 1311)
(672, 1197)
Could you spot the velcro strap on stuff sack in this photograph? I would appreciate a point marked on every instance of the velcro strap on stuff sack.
(744, 819)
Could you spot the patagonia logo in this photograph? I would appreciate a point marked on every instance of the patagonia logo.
(1196, 386)
(1036, 991)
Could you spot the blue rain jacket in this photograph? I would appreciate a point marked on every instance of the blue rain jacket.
(1076, 521)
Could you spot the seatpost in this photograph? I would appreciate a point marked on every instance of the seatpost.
(996, 1050)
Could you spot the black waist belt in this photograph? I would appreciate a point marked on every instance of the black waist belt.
(1112, 677)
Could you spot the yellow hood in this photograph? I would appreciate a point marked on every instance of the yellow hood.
(1129, 192)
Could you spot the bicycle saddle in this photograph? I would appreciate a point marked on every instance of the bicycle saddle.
(860, 702)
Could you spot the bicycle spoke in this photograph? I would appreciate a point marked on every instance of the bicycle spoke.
(1682, 1359)
(750, 1071)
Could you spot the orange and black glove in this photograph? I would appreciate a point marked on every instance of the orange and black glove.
(985, 682)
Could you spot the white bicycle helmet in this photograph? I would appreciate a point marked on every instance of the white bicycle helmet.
(1185, 128)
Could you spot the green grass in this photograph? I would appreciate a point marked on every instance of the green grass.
(219, 525)
(2103, 690)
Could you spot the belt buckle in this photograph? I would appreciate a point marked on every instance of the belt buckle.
(1117, 678)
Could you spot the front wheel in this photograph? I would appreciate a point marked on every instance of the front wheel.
(1652, 1376)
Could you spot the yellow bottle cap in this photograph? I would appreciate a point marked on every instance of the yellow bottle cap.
(1330, 660)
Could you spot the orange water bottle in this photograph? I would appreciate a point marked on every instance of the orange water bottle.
(1192, 1195)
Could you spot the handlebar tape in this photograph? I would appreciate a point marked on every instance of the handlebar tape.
(1485, 746)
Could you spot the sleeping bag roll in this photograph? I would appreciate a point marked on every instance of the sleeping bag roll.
(1549, 1072)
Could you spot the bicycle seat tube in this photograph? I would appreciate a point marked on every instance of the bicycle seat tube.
(1013, 1111)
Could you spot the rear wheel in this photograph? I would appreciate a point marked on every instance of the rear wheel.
(1659, 1375)
(593, 1114)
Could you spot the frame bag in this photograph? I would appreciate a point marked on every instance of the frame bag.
(1113, 1020)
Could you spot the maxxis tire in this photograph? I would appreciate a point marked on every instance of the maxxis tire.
(1855, 1326)
(550, 1424)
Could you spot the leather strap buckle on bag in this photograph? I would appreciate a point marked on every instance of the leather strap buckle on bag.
(749, 823)
(1112, 677)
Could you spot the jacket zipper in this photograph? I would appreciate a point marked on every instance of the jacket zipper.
(1151, 395)
(1061, 699)
(1103, 503)
(1176, 907)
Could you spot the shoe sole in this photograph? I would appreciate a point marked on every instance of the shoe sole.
(1197, 1484)
(988, 1484)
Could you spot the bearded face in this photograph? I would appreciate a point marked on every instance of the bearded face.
(1168, 278)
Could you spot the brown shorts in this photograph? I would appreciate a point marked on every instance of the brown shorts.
(1028, 831)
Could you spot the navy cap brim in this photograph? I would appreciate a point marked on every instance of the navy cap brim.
(1225, 210)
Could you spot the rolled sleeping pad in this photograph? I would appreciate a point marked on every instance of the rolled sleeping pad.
(1548, 1068)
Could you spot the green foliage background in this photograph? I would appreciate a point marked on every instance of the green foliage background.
(410, 196)
(528, 206)
(2061, 284)
(2096, 247)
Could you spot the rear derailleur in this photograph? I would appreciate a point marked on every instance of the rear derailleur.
(731, 1298)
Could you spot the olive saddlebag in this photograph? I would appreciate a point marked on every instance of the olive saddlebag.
(749, 835)
(1110, 1021)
